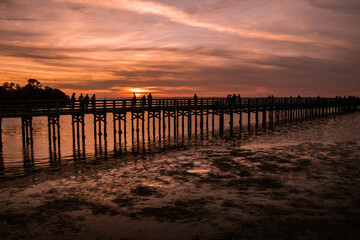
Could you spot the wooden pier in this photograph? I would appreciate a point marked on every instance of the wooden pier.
(188, 117)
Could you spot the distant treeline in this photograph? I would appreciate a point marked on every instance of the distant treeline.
(34, 90)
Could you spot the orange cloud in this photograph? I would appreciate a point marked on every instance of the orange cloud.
(176, 15)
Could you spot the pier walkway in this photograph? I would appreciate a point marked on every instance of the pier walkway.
(177, 113)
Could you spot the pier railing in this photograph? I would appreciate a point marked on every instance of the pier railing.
(67, 107)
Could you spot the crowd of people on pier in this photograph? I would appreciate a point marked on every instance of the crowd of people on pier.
(83, 101)
(232, 100)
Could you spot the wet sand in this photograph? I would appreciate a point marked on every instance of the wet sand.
(278, 185)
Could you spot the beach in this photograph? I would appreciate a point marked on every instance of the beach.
(297, 181)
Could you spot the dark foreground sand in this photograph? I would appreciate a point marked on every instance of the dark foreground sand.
(223, 190)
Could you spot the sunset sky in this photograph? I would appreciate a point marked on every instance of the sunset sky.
(177, 48)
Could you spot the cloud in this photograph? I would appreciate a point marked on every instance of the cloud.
(349, 6)
(176, 15)
(251, 47)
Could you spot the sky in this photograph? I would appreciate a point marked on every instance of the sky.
(178, 48)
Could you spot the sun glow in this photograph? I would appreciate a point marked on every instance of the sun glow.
(138, 91)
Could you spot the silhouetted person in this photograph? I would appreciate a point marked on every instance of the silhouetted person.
(81, 101)
(233, 100)
(93, 101)
(86, 101)
(134, 100)
(195, 99)
(73, 99)
(227, 100)
(143, 101)
(149, 99)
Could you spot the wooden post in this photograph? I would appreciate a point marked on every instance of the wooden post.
(58, 132)
(169, 124)
(164, 124)
(120, 132)
(202, 119)
(189, 120)
(249, 111)
(240, 115)
(137, 132)
(213, 117)
(175, 120)
(231, 120)
(125, 141)
(159, 126)
(271, 112)
(114, 126)
(132, 131)
(291, 110)
(95, 133)
(183, 123)
(264, 112)
(143, 129)
(257, 113)
(207, 117)
(221, 122)
(196, 120)
(153, 123)
(49, 132)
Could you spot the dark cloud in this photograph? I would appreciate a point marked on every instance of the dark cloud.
(349, 6)
(280, 75)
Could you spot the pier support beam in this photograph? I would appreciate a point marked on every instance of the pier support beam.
(137, 115)
(27, 141)
(257, 113)
(54, 137)
(27, 130)
(231, 121)
(119, 117)
(100, 131)
(77, 120)
(221, 122)
(240, 115)
(264, 113)
(152, 116)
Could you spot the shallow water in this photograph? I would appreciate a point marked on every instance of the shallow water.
(297, 181)
(15, 160)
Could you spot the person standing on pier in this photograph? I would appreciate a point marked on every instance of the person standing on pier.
(149, 100)
(134, 100)
(233, 100)
(81, 101)
(86, 101)
(93, 101)
(195, 99)
(73, 101)
(143, 101)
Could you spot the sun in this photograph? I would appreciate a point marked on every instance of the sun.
(138, 91)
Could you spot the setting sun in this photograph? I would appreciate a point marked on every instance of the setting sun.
(138, 91)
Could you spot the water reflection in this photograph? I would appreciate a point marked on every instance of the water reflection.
(155, 134)
(28, 156)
